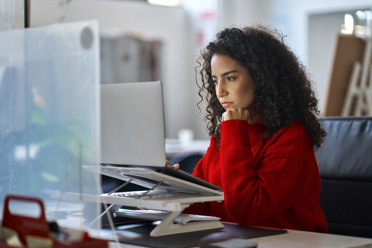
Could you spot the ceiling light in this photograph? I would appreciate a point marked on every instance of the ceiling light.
(165, 2)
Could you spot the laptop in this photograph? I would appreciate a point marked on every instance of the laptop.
(133, 141)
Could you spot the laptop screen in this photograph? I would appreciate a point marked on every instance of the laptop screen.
(132, 124)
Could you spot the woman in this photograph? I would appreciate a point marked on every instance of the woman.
(262, 119)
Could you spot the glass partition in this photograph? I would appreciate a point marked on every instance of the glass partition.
(49, 118)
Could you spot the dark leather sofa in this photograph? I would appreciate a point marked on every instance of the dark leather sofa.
(345, 166)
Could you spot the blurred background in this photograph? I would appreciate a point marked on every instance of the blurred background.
(145, 40)
(54, 53)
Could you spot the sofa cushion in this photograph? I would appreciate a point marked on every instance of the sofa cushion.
(345, 167)
(347, 150)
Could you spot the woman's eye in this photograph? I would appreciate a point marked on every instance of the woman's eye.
(215, 82)
(230, 78)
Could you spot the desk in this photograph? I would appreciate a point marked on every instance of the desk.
(299, 239)
(294, 239)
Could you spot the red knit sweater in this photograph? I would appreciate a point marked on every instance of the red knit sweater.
(268, 183)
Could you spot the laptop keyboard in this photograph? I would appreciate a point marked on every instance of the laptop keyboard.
(143, 195)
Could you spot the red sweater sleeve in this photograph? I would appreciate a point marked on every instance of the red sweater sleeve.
(259, 188)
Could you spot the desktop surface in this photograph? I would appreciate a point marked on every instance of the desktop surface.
(191, 239)
(302, 239)
(290, 238)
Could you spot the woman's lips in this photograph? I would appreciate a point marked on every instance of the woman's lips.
(226, 104)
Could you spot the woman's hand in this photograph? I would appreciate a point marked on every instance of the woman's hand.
(176, 166)
(235, 114)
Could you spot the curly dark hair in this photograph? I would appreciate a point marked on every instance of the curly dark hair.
(283, 89)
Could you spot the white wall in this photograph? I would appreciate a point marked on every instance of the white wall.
(320, 68)
(242, 12)
(292, 18)
(171, 25)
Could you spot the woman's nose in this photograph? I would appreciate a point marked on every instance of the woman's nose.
(220, 89)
